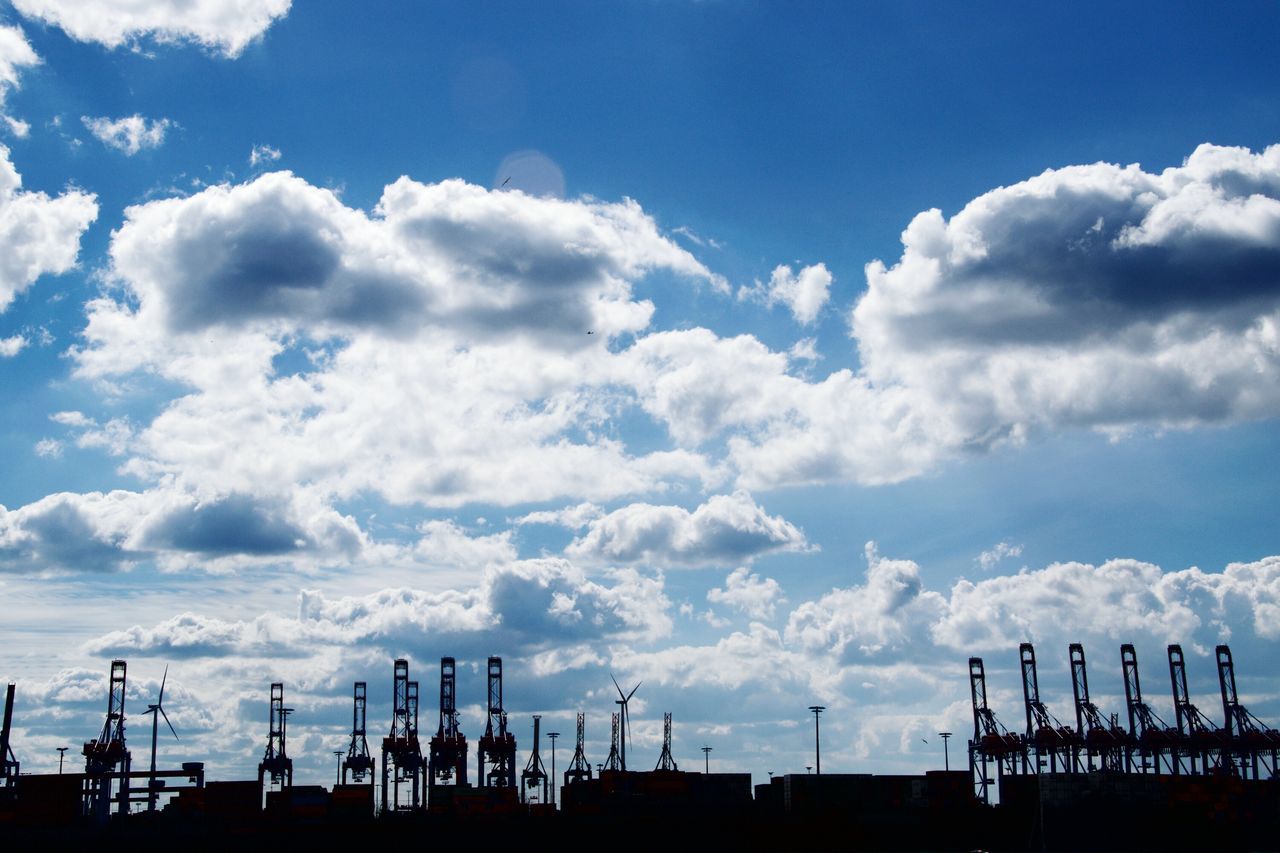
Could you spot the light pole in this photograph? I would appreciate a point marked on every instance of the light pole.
(62, 753)
(946, 757)
(817, 743)
(706, 756)
(553, 736)
(337, 774)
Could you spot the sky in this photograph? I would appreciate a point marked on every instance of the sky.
(767, 354)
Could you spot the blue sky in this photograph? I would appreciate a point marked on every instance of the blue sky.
(771, 354)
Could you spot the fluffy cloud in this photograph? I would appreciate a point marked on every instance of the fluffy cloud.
(130, 134)
(892, 610)
(96, 532)
(749, 594)
(38, 235)
(529, 605)
(443, 341)
(780, 429)
(725, 529)
(1098, 296)
(448, 254)
(16, 53)
(227, 26)
(9, 347)
(804, 293)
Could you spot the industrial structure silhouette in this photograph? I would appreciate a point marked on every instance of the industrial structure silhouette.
(1097, 784)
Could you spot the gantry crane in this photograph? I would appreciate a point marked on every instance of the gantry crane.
(1255, 746)
(448, 750)
(1053, 743)
(497, 746)
(107, 758)
(358, 763)
(401, 754)
(992, 743)
(1103, 739)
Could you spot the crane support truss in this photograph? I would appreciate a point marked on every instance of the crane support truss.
(1253, 748)
(276, 762)
(448, 750)
(107, 757)
(992, 745)
(1104, 742)
(665, 760)
(579, 769)
(358, 764)
(1053, 745)
(402, 762)
(535, 773)
(497, 747)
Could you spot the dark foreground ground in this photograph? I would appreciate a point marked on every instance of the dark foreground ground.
(984, 829)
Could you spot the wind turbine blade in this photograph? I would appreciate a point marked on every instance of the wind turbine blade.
(167, 723)
(633, 690)
(615, 684)
(160, 700)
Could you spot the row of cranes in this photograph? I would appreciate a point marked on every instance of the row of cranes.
(109, 782)
(407, 774)
(1243, 746)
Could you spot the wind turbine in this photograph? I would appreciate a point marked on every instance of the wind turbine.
(626, 716)
(157, 711)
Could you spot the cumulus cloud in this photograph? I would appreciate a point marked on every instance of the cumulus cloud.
(804, 293)
(225, 26)
(9, 347)
(1091, 296)
(530, 605)
(746, 592)
(129, 134)
(38, 235)
(104, 532)
(497, 263)
(16, 53)
(891, 610)
(444, 543)
(1099, 296)
(445, 338)
(572, 517)
(725, 529)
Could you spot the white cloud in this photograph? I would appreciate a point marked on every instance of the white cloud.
(9, 347)
(129, 134)
(102, 532)
(571, 517)
(493, 263)
(227, 26)
(16, 53)
(263, 154)
(38, 235)
(49, 448)
(448, 360)
(747, 593)
(989, 558)
(804, 293)
(17, 127)
(444, 543)
(725, 529)
(1095, 296)
(890, 612)
(532, 605)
